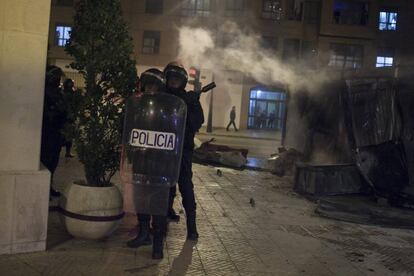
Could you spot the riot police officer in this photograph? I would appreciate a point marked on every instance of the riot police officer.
(54, 119)
(176, 77)
(151, 80)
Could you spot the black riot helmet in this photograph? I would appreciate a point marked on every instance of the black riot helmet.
(53, 75)
(152, 80)
(176, 76)
(68, 84)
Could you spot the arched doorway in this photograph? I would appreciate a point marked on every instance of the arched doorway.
(266, 109)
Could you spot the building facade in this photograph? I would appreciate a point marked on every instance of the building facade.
(346, 37)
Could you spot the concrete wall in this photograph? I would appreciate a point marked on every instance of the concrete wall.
(24, 187)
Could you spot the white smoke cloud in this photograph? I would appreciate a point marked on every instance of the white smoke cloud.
(198, 47)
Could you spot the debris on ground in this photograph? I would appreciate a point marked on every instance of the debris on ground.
(219, 173)
(209, 153)
(362, 209)
(283, 163)
(252, 202)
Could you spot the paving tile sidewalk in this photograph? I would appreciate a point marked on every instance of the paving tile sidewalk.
(250, 223)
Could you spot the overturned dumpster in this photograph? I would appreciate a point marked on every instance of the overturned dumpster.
(357, 140)
(374, 118)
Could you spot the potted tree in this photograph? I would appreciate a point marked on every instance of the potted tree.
(102, 50)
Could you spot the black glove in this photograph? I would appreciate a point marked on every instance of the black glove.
(191, 97)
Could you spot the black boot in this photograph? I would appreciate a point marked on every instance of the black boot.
(159, 224)
(172, 215)
(192, 233)
(143, 237)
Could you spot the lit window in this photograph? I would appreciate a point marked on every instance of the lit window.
(385, 57)
(346, 56)
(388, 21)
(62, 35)
(384, 61)
(196, 8)
(151, 42)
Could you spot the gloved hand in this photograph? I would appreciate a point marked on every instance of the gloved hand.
(191, 97)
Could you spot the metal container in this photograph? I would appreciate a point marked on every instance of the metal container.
(323, 180)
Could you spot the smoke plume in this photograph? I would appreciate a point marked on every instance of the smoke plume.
(198, 47)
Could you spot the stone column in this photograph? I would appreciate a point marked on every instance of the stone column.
(24, 185)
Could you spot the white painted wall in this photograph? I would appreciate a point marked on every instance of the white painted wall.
(24, 186)
(228, 93)
(23, 47)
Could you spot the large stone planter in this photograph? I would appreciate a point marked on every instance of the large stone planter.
(91, 212)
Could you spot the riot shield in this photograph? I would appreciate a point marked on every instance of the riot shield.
(153, 137)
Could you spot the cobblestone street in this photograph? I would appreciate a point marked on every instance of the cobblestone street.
(250, 223)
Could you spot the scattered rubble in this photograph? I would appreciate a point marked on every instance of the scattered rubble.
(283, 163)
(209, 153)
(252, 202)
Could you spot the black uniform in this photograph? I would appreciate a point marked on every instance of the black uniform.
(54, 119)
(195, 118)
(159, 223)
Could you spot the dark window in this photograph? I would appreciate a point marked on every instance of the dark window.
(62, 35)
(311, 13)
(272, 10)
(270, 42)
(385, 57)
(388, 21)
(196, 8)
(65, 3)
(294, 9)
(350, 12)
(234, 7)
(346, 55)
(154, 6)
(309, 53)
(151, 42)
(290, 49)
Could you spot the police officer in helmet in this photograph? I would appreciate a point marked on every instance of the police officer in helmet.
(151, 80)
(176, 77)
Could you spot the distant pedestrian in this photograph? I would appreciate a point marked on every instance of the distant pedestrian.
(271, 122)
(262, 120)
(232, 118)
